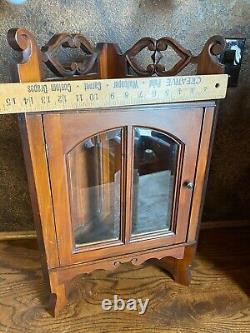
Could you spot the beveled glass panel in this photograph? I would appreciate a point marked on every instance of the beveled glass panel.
(155, 164)
(94, 170)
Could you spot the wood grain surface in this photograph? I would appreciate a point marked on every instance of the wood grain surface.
(217, 300)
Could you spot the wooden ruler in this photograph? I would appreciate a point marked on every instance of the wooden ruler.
(92, 94)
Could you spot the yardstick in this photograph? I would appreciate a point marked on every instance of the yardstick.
(92, 94)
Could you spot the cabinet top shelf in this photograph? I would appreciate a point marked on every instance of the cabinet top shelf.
(107, 78)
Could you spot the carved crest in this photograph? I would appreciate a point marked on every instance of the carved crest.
(66, 40)
(157, 47)
(207, 61)
(214, 46)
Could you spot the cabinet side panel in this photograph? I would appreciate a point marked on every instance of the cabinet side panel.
(31, 128)
(202, 171)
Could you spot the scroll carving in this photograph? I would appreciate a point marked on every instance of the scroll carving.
(22, 40)
(66, 40)
(140, 258)
(113, 263)
(207, 61)
(157, 47)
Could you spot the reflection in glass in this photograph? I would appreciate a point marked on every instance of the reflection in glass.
(155, 161)
(94, 169)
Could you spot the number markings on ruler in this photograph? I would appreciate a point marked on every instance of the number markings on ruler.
(89, 94)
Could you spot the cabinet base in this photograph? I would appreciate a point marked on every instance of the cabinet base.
(177, 261)
(180, 269)
(58, 295)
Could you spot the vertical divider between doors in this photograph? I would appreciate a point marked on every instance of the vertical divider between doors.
(128, 175)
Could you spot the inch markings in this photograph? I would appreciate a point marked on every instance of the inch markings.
(90, 94)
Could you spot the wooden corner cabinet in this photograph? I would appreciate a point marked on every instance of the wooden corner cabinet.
(115, 185)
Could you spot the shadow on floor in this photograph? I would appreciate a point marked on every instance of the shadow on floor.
(229, 251)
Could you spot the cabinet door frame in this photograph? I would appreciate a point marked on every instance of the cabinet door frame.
(103, 175)
(62, 133)
(130, 238)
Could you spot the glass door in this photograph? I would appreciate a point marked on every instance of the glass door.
(117, 179)
(94, 176)
(156, 156)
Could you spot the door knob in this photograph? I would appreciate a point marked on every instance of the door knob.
(189, 185)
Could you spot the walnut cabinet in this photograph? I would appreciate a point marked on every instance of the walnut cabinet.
(115, 185)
